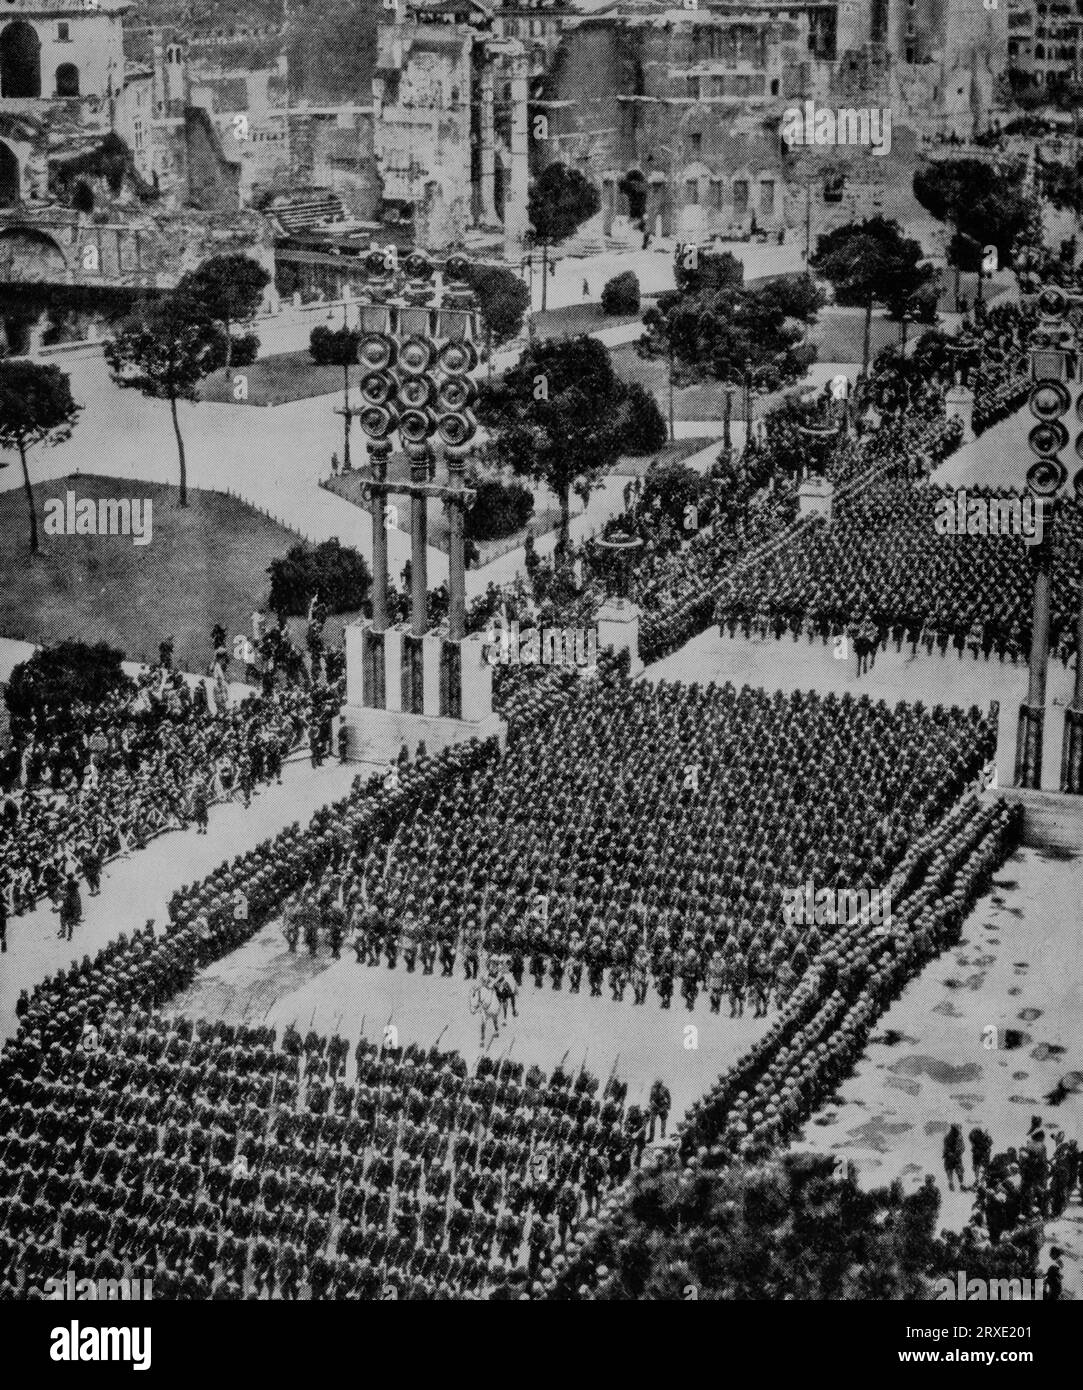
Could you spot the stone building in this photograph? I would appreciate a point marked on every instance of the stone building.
(677, 115)
(1045, 41)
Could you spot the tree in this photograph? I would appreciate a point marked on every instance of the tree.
(503, 300)
(228, 289)
(556, 417)
(796, 296)
(165, 350)
(714, 330)
(500, 509)
(985, 200)
(60, 677)
(868, 261)
(621, 294)
(695, 270)
(560, 201)
(36, 407)
(337, 347)
(336, 572)
(644, 426)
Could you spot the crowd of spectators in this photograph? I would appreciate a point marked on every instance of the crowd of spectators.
(89, 784)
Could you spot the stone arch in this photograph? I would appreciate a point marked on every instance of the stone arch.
(67, 80)
(20, 61)
(10, 177)
(30, 256)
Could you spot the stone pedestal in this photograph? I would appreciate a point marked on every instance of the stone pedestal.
(393, 670)
(959, 405)
(477, 680)
(618, 627)
(431, 648)
(377, 735)
(815, 497)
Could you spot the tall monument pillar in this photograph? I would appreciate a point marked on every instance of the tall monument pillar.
(487, 191)
(515, 199)
(1028, 751)
(419, 539)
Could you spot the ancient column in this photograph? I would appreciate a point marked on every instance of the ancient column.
(1028, 753)
(487, 191)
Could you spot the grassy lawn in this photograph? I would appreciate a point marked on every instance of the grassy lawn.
(204, 564)
(839, 336)
(705, 400)
(577, 318)
(275, 380)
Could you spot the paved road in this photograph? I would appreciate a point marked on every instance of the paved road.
(1018, 969)
(139, 887)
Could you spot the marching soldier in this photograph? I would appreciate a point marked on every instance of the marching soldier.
(716, 981)
(575, 962)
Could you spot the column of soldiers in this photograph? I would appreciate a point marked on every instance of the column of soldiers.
(677, 589)
(885, 574)
(678, 815)
(762, 1101)
(218, 1164)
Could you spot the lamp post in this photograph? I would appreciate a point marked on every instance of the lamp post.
(748, 403)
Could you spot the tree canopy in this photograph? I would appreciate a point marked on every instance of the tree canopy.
(60, 677)
(165, 350)
(560, 201)
(502, 300)
(712, 330)
(557, 417)
(987, 201)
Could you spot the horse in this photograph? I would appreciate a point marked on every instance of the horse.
(484, 1000)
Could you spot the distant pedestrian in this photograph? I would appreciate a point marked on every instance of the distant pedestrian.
(953, 1157)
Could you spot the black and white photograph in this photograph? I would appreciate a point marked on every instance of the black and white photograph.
(541, 739)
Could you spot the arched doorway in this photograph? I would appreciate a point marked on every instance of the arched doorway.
(67, 80)
(634, 188)
(20, 61)
(10, 189)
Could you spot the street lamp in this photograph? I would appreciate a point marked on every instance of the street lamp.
(748, 403)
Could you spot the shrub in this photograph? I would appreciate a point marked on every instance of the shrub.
(245, 349)
(61, 676)
(500, 509)
(644, 426)
(621, 294)
(337, 572)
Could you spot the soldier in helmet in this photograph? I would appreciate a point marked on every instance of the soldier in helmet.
(716, 981)
(640, 975)
(575, 962)
(291, 928)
